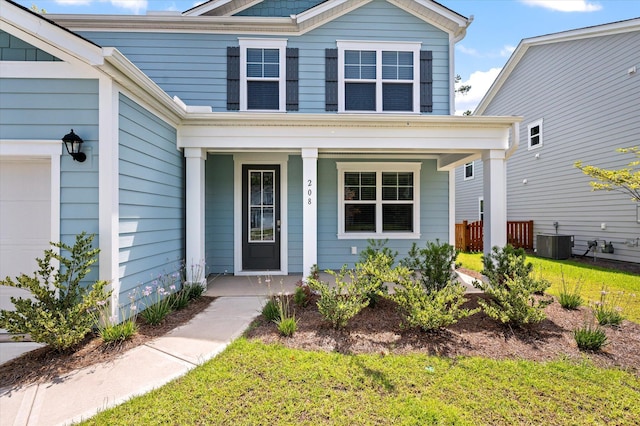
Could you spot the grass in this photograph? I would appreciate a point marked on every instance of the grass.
(592, 279)
(254, 383)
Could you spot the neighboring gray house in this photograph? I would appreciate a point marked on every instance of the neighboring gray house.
(262, 136)
(579, 94)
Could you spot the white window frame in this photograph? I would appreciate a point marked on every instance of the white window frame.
(480, 209)
(379, 47)
(529, 127)
(379, 168)
(251, 43)
(473, 171)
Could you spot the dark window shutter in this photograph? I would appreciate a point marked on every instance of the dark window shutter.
(331, 79)
(233, 78)
(426, 81)
(292, 79)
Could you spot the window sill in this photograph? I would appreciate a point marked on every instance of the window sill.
(378, 236)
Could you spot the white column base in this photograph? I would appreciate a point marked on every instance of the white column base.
(195, 214)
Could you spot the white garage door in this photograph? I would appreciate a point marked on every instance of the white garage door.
(25, 217)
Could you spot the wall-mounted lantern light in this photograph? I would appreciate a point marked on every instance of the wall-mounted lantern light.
(73, 143)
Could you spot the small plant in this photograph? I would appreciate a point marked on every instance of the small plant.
(431, 310)
(339, 303)
(194, 290)
(180, 299)
(110, 330)
(372, 274)
(589, 338)
(570, 298)
(302, 294)
(433, 265)
(270, 310)
(286, 320)
(608, 310)
(157, 299)
(62, 311)
(511, 288)
(378, 246)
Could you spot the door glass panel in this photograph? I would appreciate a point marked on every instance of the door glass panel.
(261, 209)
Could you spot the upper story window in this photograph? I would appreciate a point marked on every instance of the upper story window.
(534, 132)
(378, 77)
(262, 75)
(378, 200)
(468, 171)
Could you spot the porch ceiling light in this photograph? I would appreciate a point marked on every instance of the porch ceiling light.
(73, 143)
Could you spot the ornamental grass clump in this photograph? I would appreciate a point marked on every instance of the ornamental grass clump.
(608, 310)
(62, 309)
(590, 338)
(570, 298)
(110, 330)
(511, 288)
(157, 300)
(286, 320)
(429, 297)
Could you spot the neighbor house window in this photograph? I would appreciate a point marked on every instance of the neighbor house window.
(262, 75)
(378, 77)
(378, 200)
(468, 171)
(481, 209)
(534, 132)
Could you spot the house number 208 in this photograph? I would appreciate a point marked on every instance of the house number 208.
(309, 191)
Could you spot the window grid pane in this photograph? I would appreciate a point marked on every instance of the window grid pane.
(360, 64)
(261, 209)
(263, 63)
(397, 186)
(397, 65)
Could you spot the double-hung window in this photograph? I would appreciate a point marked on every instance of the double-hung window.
(534, 133)
(378, 200)
(378, 76)
(262, 74)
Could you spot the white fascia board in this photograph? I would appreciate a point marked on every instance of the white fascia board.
(205, 7)
(448, 21)
(123, 71)
(57, 39)
(523, 46)
(317, 10)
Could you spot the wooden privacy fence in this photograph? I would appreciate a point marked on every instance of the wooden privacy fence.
(469, 236)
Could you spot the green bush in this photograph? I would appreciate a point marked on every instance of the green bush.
(431, 310)
(372, 274)
(590, 338)
(63, 310)
(302, 294)
(433, 265)
(511, 288)
(270, 310)
(339, 303)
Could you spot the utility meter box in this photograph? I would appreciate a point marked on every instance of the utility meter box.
(554, 246)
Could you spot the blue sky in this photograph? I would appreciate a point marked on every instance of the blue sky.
(497, 28)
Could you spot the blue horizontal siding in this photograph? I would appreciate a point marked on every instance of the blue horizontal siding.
(151, 197)
(219, 239)
(193, 66)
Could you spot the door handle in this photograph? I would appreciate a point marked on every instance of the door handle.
(278, 223)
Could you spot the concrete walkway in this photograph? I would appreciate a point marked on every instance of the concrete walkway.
(81, 394)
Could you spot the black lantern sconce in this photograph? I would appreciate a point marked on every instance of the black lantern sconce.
(73, 143)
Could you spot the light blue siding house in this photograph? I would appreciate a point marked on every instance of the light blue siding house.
(578, 92)
(260, 137)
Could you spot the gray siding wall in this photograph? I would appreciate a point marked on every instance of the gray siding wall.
(14, 49)
(434, 219)
(48, 109)
(193, 66)
(467, 193)
(589, 104)
(152, 198)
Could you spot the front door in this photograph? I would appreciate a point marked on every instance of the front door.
(261, 217)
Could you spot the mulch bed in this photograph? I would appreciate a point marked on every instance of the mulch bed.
(378, 330)
(44, 364)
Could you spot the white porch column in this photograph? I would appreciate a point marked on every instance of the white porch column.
(309, 210)
(195, 208)
(495, 199)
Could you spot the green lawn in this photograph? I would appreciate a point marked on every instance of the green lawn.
(254, 383)
(590, 278)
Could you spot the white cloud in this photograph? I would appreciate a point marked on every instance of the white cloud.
(480, 82)
(467, 50)
(134, 6)
(507, 50)
(565, 5)
(73, 2)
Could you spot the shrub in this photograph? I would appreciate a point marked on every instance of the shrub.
(570, 298)
(431, 310)
(302, 294)
(608, 310)
(378, 246)
(339, 303)
(434, 265)
(372, 274)
(590, 338)
(63, 310)
(270, 310)
(511, 288)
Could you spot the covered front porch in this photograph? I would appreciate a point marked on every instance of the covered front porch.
(303, 156)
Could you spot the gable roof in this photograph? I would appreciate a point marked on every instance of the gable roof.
(618, 27)
(200, 18)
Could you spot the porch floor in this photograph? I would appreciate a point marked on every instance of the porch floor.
(252, 285)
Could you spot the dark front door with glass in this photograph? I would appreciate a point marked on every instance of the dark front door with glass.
(261, 217)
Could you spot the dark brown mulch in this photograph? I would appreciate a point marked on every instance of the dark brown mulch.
(45, 364)
(379, 330)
